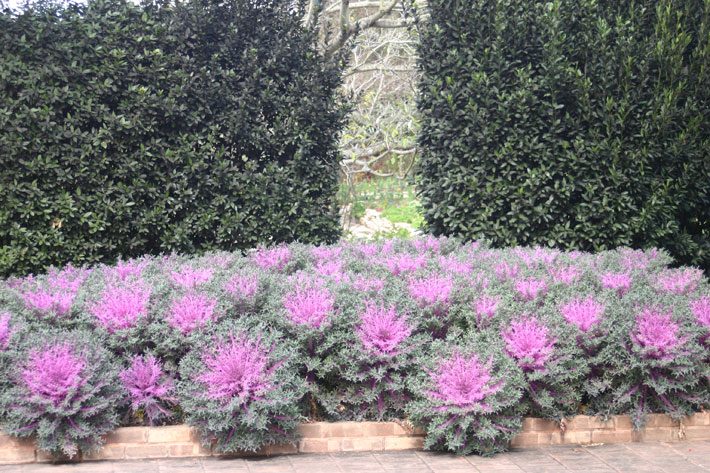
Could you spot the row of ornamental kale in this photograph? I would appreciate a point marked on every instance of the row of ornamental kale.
(461, 339)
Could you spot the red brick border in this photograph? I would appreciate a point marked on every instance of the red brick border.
(132, 443)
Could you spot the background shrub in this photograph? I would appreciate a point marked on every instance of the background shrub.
(128, 130)
(580, 125)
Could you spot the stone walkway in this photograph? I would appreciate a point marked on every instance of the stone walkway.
(683, 457)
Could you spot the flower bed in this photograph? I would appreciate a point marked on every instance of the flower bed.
(461, 340)
(133, 443)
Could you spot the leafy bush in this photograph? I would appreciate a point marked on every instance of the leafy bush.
(64, 391)
(468, 399)
(376, 350)
(240, 390)
(460, 338)
(132, 129)
(660, 366)
(150, 390)
(579, 125)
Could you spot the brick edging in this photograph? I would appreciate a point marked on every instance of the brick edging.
(134, 443)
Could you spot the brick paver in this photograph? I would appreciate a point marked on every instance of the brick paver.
(682, 457)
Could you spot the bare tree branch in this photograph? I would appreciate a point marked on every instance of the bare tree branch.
(359, 25)
(314, 7)
(364, 69)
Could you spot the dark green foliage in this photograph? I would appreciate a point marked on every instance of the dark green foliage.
(127, 130)
(571, 124)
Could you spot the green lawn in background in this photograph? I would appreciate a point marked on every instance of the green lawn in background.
(394, 198)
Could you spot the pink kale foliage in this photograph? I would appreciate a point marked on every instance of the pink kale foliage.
(531, 288)
(242, 287)
(191, 311)
(656, 333)
(429, 243)
(381, 330)
(121, 306)
(325, 253)
(368, 250)
(486, 308)
(54, 374)
(55, 295)
(132, 268)
(332, 269)
(189, 278)
(431, 290)
(701, 310)
(404, 263)
(583, 313)
(505, 271)
(47, 301)
(364, 284)
(453, 265)
(309, 306)
(272, 258)
(464, 382)
(148, 386)
(528, 341)
(564, 274)
(238, 368)
(679, 281)
(5, 331)
(637, 259)
(620, 282)
(533, 257)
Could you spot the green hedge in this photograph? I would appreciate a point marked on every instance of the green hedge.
(130, 129)
(579, 124)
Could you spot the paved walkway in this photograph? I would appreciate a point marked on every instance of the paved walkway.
(684, 457)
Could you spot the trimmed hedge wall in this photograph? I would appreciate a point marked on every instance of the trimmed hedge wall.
(129, 130)
(570, 124)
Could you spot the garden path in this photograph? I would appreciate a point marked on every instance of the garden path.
(682, 457)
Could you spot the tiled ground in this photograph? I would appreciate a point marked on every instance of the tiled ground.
(684, 457)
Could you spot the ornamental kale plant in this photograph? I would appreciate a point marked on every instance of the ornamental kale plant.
(700, 309)
(530, 289)
(191, 311)
(150, 390)
(127, 269)
(375, 352)
(656, 334)
(485, 308)
(620, 282)
(10, 332)
(64, 392)
(381, 330)
(467, 398)
(242, 287)
(272, 258)
(656, 364)
(309, 306)
(5, 331)
(189, 278)
(52, 295)
(239, 388)
(529, 343)
(553, 379)
(433, 292)
(404, 263)
(121, 306)
(244, 345)
(583, 313)
(679, 281)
